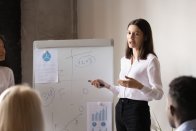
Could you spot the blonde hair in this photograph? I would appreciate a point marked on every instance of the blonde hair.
(20, 109)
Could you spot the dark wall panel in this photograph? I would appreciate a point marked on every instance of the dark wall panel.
(44, 20)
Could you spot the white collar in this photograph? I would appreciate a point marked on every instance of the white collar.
(187, 126)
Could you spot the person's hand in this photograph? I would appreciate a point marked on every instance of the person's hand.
(99, 83)
(130, 83)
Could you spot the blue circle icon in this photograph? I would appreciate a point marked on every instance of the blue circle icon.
(94, 124)
(103, 123)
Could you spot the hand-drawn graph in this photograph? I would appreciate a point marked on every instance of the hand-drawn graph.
(48, 96)
(85, 60)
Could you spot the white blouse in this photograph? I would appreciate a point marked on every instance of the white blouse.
(146, 72)
(6, 78)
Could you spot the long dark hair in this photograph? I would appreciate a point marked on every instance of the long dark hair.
(147, 45)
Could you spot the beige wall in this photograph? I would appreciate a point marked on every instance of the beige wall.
(173, 26)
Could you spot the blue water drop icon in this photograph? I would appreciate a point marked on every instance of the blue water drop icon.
(46, 56)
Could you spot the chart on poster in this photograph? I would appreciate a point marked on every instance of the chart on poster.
(99, 116)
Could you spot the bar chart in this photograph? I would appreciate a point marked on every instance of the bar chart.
(99, 116)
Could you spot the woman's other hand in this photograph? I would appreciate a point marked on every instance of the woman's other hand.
(130, 83)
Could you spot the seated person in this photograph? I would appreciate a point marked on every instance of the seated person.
(6, 74)
(20, 109)
(181, 105)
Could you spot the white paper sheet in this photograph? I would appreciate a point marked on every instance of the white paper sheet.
(46, 66)
(99, 116)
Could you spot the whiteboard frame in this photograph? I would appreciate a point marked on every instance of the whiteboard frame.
(73, 43)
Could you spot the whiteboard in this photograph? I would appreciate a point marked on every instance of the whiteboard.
(65, 101)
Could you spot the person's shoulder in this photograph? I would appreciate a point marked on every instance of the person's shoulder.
(124, 59)
(151, 57)
(5, 69)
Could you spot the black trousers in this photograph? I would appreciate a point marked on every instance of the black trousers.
(132, 115)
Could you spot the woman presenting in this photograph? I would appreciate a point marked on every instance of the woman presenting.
(6, 74)
(139, 79)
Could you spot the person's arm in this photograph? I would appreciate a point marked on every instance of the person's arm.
(154, 76)
(131, 83)
(11, 78)
(102, 84)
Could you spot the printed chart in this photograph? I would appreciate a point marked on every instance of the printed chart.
(99, 116)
